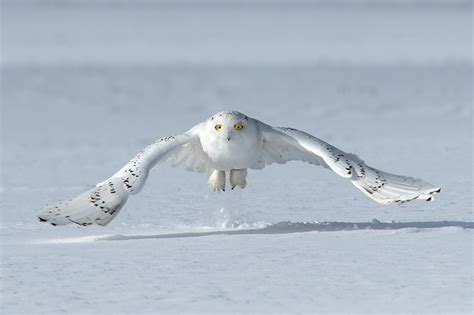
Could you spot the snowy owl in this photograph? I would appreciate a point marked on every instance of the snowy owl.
(228, 144)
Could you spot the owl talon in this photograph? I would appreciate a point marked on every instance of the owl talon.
(217, 181)
(237, 178)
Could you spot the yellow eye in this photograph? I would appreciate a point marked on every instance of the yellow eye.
(238, 126)
(218, 127)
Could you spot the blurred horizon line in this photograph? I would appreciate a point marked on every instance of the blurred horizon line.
(286, 3)
(329, 63)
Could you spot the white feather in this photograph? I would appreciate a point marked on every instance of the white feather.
(102, 203)
(288, 144)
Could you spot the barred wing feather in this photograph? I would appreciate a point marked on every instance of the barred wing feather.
(102, 203)
(287, 144)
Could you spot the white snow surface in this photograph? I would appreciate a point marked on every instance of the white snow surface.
(80, 99)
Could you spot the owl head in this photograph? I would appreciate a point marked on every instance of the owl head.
(230, 126)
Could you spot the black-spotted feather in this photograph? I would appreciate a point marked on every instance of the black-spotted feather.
(287, 144)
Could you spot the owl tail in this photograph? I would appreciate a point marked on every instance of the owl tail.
(98, 205)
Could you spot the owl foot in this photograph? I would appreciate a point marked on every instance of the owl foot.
(217, 181)
(237, 178)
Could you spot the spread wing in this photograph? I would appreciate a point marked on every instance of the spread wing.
(288, 144)
(103, 202)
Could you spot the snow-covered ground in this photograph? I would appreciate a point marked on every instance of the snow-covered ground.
(85, 87)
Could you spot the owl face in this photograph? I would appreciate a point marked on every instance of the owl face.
(230, 126)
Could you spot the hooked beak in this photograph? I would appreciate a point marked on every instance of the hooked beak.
(229, 136)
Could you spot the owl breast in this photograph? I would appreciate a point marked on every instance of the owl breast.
(241, 151)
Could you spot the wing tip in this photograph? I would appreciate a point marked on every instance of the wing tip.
(46, 221)
(430, 196)
(85, 209)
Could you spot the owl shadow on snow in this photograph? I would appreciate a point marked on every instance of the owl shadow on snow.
(301, 227)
